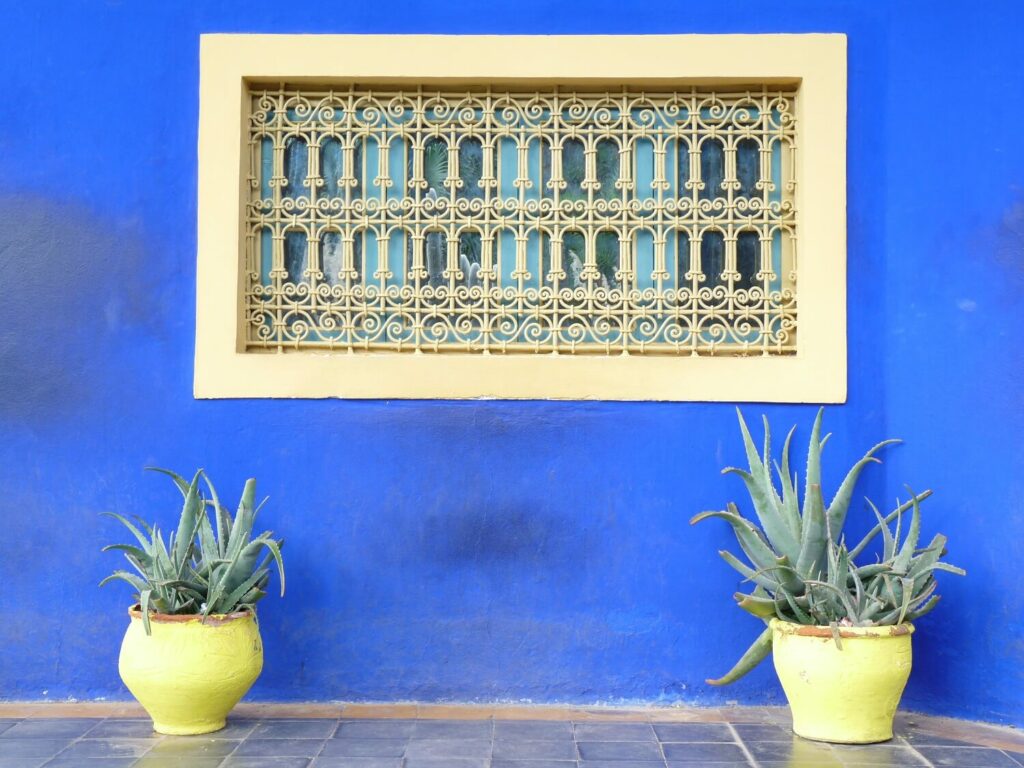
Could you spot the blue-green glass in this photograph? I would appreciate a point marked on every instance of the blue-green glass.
(296, 168)
(295, 254)
(712, 169)
(712, 258)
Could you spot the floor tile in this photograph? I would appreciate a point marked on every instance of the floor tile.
(70, 761)
(50, 728)
(453, 729)
(375, 729)
(1018, 757)
(236, 729)
(365, 748)
(7, 724)
(279, 748)
(446, 762)
(622, 764)
(442, 748)
(123, 729)
(619, 750)
(967, 757)
(87, 748)
(762, 732)
(703, 753)
(614, 732)
(693, 732)
(193, 746)
(357, 762)
(533, 730)
(23, 762)
(793, 749)
(31, 747)
(521, 749)
(295, 729)
(265, 762)
(151, 761)
(878, 755)
(537, 764)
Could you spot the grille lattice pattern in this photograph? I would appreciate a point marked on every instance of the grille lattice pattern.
(522, 222)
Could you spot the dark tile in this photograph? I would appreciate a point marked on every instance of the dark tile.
(696, 752)
(539, 764)
(365, 748)
(793, 749)
(23, 762)
(877, 754)
(149, 761)
(265, 762)
(620, 750)
(279, 748)
(123, 729)
(51, 728)
(62, 761)
(453, 729)
(236, 729)
(1016, 756)
(193, 746)
(762, 732)
(533, 730)
(622, 764)
(447, 762)
(87, 748)
(295, 729)
(357, 762)
(520, 749)
(917, 738)
(693, 732)
(967, 757)
(614, 732)
(375, 729)
(442, 748)
(830, 762)
(31, 747)
(7, 724)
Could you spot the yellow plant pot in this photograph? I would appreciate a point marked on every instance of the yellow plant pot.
(189, 674)
(848, 695)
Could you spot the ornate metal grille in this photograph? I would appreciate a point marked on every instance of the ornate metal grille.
(522, 222)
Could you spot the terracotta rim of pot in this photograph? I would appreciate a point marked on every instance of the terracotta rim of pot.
(804, 630)
(166, 618)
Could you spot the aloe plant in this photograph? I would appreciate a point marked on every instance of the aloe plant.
(798, 559)
(203, 568)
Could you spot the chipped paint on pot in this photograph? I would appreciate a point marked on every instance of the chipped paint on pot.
(188, 674)
(846, 695)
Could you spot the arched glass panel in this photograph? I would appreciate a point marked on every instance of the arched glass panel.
(712, 258)
(712, 169)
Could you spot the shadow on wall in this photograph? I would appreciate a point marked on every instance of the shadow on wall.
(74, 283)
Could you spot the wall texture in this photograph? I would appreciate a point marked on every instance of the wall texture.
(488, 551)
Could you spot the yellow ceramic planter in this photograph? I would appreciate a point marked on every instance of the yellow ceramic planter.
(189, 674)
(847, 696)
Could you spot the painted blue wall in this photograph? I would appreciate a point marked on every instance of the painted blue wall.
(493, 550)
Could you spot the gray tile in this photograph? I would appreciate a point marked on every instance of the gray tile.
(793, 749)
(357, 762)
(22, 762)
(876, 754)
(1018, 757)
(236, 729)
(447, 762)
(149, 761)
(279, 748)
(31, 747)
(375, 729)
(693, 732)
(697, 752)
(538, 764)
(622, 764)
(123, 729)
(7, 724)
(533, 730)
(831, 762)
(51, 728)
(762, 732)
(193, 746)
(620, 750)
(967, 757)
(442, 748)
(520, 749)
(365, 748)
(62, 761)
(295, 729)
(614, 732)
(917, 738)
(265, 762)
(87, 748)
(453, 729)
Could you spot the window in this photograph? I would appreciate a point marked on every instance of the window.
(472, 227)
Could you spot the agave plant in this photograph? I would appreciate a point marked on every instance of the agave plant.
(203, 568)
(799, 563)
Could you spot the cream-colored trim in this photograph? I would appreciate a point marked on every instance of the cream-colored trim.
(817, 373)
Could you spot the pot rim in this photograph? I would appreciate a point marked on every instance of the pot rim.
(809, 630)
(135, 612)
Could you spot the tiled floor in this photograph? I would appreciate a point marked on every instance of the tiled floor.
(564, 739)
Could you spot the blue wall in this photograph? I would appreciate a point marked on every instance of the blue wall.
(493, 550)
